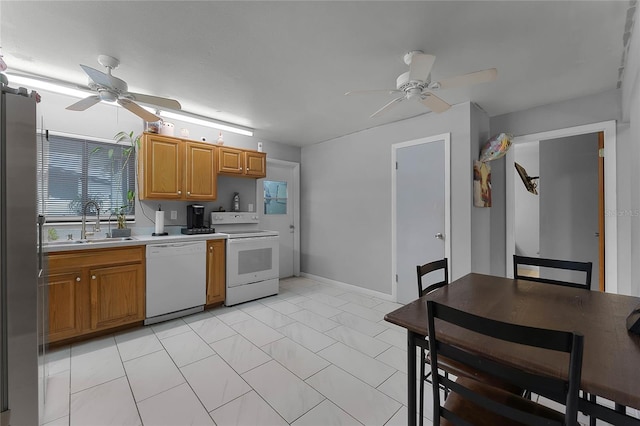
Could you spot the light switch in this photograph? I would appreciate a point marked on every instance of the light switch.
(174, 214)
(250, 207)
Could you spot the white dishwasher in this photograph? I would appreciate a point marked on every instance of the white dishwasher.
(176, 280)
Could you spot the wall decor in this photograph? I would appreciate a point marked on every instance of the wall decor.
(481, 184)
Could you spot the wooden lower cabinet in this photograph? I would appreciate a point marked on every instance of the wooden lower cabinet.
(216, 273)
(65, 315)
(117, 296)
(95, 290)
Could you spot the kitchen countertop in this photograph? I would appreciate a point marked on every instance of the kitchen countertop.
(136, 240)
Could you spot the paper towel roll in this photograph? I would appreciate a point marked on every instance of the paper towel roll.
(159, 222)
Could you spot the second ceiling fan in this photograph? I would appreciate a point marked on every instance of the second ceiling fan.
(416, 83)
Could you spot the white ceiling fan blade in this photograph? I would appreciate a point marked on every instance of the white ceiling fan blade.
(156, 100)
(434, 103)
(367, 92)
(420, 66)
(387, 107)
(85, 103)
(98, 77)
(468, 79)
(138, 110)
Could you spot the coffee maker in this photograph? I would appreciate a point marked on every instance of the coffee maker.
(195, 221)
(195, 216)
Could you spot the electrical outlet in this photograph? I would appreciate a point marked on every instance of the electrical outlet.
(174, 214)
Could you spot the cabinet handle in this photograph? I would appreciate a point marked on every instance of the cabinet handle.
(93, 277)
(188, 193)
(78, 279)
(211, 249)
(179, 192)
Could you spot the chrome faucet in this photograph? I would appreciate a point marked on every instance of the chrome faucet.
(96, 226)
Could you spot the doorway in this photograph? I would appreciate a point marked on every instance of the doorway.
(278, 207)
(609, 221)
(420, 210)
(559, 220)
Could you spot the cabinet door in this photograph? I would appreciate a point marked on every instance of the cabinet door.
(230, 161)
(65, 304)
(201, 176)
(117, 296)
(163, 167)
(256, 164)
(215, 271)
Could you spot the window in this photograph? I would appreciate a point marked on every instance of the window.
(73, 170)
(275, 197)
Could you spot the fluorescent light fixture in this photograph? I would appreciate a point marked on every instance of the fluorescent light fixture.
(34, 83)
(38, 83)
(205, 121)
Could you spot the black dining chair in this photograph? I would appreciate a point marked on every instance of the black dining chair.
(566, 265)
(437, 275)
(439, 268)
(472, 402)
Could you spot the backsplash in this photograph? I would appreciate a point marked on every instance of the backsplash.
(145, 211)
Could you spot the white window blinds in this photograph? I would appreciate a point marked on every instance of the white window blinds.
(73, 170)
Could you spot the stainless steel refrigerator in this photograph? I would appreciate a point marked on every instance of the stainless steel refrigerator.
(21, 322)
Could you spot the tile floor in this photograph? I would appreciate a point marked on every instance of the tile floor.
(314, 355)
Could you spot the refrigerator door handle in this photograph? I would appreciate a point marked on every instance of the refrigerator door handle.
(41, 220)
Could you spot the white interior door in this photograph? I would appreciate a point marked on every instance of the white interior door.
(278, 207)
(421, 209)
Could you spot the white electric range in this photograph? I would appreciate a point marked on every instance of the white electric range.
(253, 256)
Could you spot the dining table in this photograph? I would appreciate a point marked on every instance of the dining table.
(611, 357)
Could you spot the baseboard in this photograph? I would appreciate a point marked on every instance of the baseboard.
(346, 286)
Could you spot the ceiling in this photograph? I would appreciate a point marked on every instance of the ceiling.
(282, 68)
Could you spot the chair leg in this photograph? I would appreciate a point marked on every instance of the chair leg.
(592, 419)
(421, 403)
(446, 390)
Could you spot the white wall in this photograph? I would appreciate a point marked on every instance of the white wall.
(480, 216)
(346, 199)
(105, 120)
(527, 205)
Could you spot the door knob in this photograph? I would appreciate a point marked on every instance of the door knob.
(439, 236)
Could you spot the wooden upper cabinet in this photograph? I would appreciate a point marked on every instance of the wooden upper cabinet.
(256, 164)
(176, 169)
(201, 182)
(238, 162)
(230, 161)
(160, 167)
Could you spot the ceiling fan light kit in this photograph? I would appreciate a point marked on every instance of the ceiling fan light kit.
(416, 83)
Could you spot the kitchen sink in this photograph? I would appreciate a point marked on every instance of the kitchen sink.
(89, 241)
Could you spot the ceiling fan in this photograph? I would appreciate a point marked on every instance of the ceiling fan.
(113, 89)
(416, 83)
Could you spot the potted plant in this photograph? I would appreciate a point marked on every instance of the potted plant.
(121, 217)
(122, 211)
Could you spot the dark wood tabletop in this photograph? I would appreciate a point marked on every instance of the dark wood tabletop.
(611, 364)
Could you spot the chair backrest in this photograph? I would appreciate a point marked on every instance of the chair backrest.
(428, 268)
(562, 390)
(585, 267)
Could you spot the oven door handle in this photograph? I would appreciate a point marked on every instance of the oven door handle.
(251, 239)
